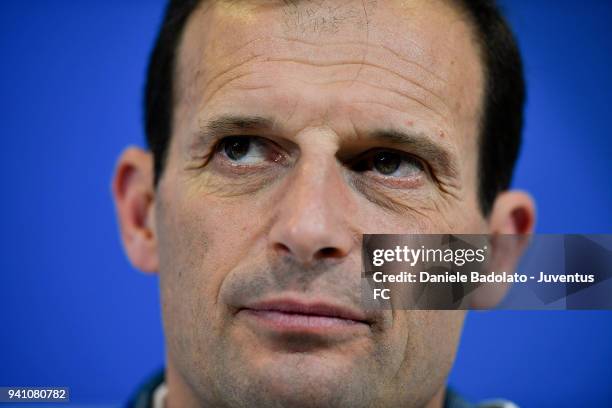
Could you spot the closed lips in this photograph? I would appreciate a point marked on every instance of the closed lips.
(300, 312)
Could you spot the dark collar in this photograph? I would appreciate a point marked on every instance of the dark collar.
(143, 397)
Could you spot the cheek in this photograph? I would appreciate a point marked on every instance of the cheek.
(184, 244)
(201, 239)
(196, 251)
(426, 343)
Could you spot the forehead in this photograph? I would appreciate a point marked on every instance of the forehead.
(404, 56)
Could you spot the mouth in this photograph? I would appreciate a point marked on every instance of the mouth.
(293, 315)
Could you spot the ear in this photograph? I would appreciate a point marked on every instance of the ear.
(511, 223)
(513, 213)
(133, 193)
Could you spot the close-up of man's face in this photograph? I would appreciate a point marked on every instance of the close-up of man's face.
(298, 126)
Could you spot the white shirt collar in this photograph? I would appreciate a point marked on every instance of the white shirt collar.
(159, 396)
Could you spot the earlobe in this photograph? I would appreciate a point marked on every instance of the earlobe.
(133, 193)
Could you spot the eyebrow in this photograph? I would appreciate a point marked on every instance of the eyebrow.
(237, 123)
(230, 125)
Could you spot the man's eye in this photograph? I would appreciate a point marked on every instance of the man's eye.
(244, 149)
(390, 163)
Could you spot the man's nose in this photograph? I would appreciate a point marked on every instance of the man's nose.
(312, 220)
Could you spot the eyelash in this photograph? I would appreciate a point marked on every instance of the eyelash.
(273, 154)
(368, 156)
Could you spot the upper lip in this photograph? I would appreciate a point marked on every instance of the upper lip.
(316, 308)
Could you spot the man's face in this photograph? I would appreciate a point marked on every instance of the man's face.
(299, 126)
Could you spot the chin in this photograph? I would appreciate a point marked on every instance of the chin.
(310, 380)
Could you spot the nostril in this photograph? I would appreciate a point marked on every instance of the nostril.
(329, 252)
(281, 248)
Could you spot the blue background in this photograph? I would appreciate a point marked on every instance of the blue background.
(72, 310)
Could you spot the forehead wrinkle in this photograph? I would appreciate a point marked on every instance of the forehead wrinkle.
(373, 47)
(242, 82)
(271, 48)
(263, 43)
(240, 64)
(244, 85)
(421, 101)
(207, 97)
(360, 64)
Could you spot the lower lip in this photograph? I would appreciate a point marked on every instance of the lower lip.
(283, 321)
